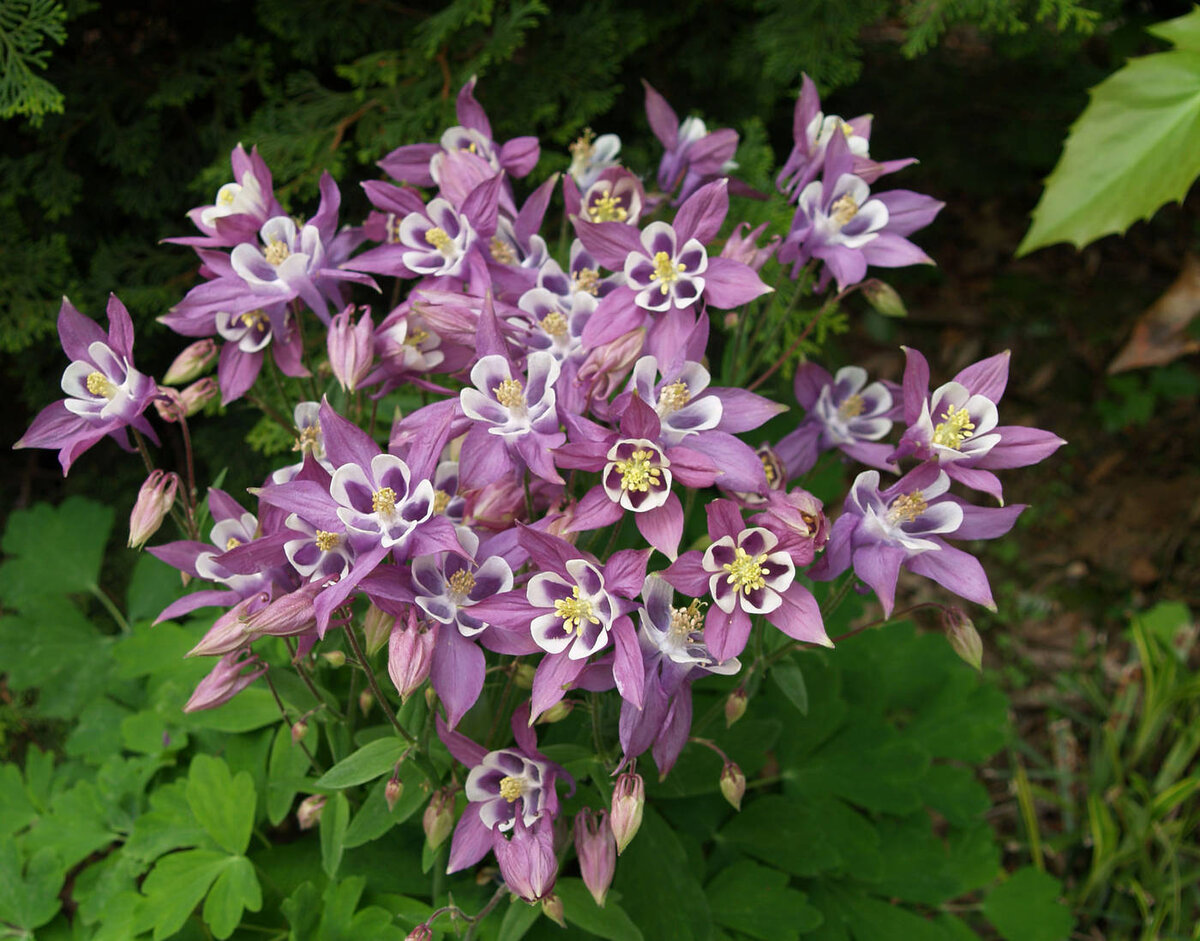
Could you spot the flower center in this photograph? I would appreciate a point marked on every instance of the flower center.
(954, 428)
(666, 271)
(253, 319)
(586, 279)
(100, 384)
(685, 621)
(326, 541)
(746, 571)
(308, 439)
(583, 148)
(511, 788)
(461, 582)
(607, 208)
(416, 338)
(384, 501)
(510, 394)
(673, 397)
(555, 325)
(844, 209)
(276, 252)
(232, 543)
(852, 407)
(907, 507)
(574, 611)
(438, 238)
(501, 251)
(441, 500)
(639, 473)
(771, 467)
(227, 194)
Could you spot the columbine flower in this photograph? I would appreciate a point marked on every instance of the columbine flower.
(232, 674)
(351, 347)
(597, 852)
(906, 524)
(240, 207)
(694, 155)
(591, 156)
(956, 426)
(154, 501)
(843, 412)
(106, 394)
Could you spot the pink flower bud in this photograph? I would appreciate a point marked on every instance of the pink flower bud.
(556, 713)
(377, 626)
(496, 505)
(286, 616)
(735, 706)
(232, 674)
(299, 730)
(228, 632)
(960, 631)
(733, 784)
(197, 395)
(605, 368)
(629, 797)
(799, 522)
(351, 347)
(335, 658)
(742, 246)
(410, 653)
(597, 852)
(191, 362)
(420, 933)
(438, 819)
(169, 404)
(552, 908)
(308, 814)
(392, 791)
(366, 699)
(527, 860)
(154, 502)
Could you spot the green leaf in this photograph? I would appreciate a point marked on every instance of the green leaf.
(235, 890)
(756, 901)
(1025, 907)
(168, 825)
(29, 898)
(333, 832)
(302, 909)
(154, 585)
(75, 827)
(656, 858)
(790, 680)
(16, 811)
(579, 908)
(518, 919)
(1135, 147)
(55, 550)
(366, 764)
(222, 803)
(175, 887)
(250, 709)
(955, 794)
(287, 764)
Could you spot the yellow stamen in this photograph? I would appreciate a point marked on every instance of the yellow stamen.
(844, 209)
(416, 338)
(586, 279)
(510, 394)
(907, 507)
(770, 468)
(607, 209)
(852, 407)
(308, 439)
(574, 611)
(326, 541)
(253, 319)
(639, 473)
(461, 582)
(232, 543)
(392, 227)
(100, 384)
(583, 148)
(276, 252)
(954, 428)
(226, 195)
(502, 251)
(438, 238)
(746, 571)
(384, 501)
(511, 788)
(666, 272)
(555, 325)
(685, 621)
(441, 500)
(673, 397)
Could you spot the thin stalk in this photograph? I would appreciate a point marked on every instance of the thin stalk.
(312, 687)
(111, 608)
(312, 760)
(361, 657)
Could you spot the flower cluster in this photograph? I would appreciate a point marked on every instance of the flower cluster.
(535, 505)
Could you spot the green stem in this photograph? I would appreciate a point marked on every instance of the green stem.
(111, 608)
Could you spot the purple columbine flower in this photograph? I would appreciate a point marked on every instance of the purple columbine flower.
(106, 394)
(844, 412)
(240, 208)
(745, 572)
(906, 525)
(957, 425)
(694, 155)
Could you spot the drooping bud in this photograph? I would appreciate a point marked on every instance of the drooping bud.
(552, 908)
(232, 674)
(366, 699)
(523, 676)
(169, 404)
(527, 860)
(420, 933)
(228, 632)
(191, 362)
(335, 658)
(605, 368)
(743, 246)
(735, 706)
(438, 819)
(377, 625)
(629, 797)
(351, 347)
(288, 615)
(198, 394)
(308, 814)
(960, 631)
(556, 713)
(733, 784)
(154, 502)
(410, 654)
(597, 852)
(884, 298)
(299, 730)
(392, 791)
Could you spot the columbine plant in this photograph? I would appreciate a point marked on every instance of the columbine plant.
(536, 519)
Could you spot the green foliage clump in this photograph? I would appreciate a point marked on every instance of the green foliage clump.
(25, 26)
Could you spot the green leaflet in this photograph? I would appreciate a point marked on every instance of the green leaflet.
(1135, 147)
(1026, 907)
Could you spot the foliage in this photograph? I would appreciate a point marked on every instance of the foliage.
(1133, 149)
(25, 26)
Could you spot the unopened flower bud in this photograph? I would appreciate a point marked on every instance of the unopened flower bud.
(735, 705)
(351, 347)
(420, 933)
(308, 814)
(439, 817)
(299, 730)
(605, 367)
(410, 654)
(552, 908)
(526, 858)
(556, 713)
(597, 852)
(733, 784)
(523, 676)
(431, 697)
(228, 632)
(377, 626)
(169, 404)
(198, 394)
(743, 246)
(335, 658)
(191, 362)
(960, 631)
(286, 616)
(154, 502)
(232, 674)
(629, 797)
(883, 298)
(366, 699)
(392, 791)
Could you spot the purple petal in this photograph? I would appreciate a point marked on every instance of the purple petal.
(198, 599)
(461, 747)
(345, 442)
(988, 377)
(687, 573)
(1020, 447)
(908, 211)
(800, 616)
(700, 217)
(916, 384)
(981, 480)
(888, 250)
(595, 511)
(470, 112)
(626, 571)
(662, 527)
(879, 567)
(742, 410)
(663, 120)
(236, 372)
(981, 522)
(729, 283)
(726, 634)
(741, 468)
(724, 519)
(628, 670)
(956, 570)
(675, 731)
(555, 675)
(77, 332)
(519, 156)
(456, 673)
(120, 328)
(609, 242)
(810, 380)
(471, 841)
